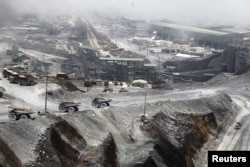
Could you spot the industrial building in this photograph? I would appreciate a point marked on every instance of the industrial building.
(125, 69)
(247, 42)
(201, 36)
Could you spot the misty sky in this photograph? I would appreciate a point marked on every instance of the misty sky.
(236, 12)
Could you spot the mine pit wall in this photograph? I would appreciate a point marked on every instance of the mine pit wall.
(67, 143)
(46, 153)
(24, 143)
(179, 128)
(182, 154)
(67, 154)
(205, 129)
(73, 150)
(109, 148)
(180, 148)
(8, 157)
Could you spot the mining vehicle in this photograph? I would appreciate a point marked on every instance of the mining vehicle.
(5, 72)
(19, 113)
(68, 107)
(237, 126)
(123, 90)
(117, 49)
(146, 124)
(101, 102)
(1, 91)
(25, 79)
(13, 77)
(107, 89)
(17, 77)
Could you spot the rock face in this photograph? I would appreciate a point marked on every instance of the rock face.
(176, 132)
(204, 118)
(56, 141)
(82, 139)
(24, 142)
(178, 129)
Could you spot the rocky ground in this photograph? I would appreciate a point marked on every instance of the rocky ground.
(182, 124)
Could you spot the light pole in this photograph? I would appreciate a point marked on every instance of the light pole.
(159, 63)
(46, 85)
(144, 111)
(46, 90)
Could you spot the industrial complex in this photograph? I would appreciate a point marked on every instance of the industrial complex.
(101, 90)
(213, 37)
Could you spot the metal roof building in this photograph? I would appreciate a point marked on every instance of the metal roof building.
(125, 69)
(236, 30)
(190, 29)
(89, 48)
(120, 59)
(202, 36)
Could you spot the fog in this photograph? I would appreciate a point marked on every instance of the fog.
(215, 12)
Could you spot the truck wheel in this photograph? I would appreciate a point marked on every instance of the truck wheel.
(32, 83)
(94, 104)
(24, 83)
(76, 109)
(62, 109)
(24, 117)
(71, 109)
(104, 105)
(13, 117)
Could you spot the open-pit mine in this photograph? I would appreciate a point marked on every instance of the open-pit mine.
(116, 92)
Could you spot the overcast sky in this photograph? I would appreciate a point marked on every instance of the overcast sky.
(235, 12)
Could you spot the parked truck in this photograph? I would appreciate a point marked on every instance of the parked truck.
(16, 76)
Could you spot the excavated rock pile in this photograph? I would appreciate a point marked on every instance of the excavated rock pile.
(79, 139)
(177, 131)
